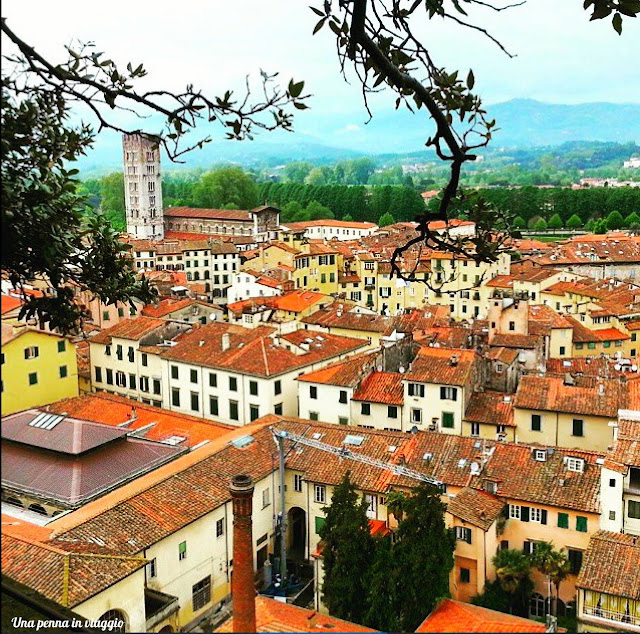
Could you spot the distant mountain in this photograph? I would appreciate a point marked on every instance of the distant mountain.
(522, 123)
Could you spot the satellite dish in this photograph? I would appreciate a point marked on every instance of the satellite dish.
(617, 367)
(634, 368)
(401, 369)
(212, 316)
(414, 430)
(475, 468)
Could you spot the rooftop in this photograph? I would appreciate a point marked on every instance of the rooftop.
(381, 387)
(444, 366)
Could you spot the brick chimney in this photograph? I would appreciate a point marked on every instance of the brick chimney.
(243, 591)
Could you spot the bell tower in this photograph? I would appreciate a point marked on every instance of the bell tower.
(142, 187)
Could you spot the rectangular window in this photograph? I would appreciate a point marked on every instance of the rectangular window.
(156, 386)
(515, 511)
(201, 593)
(107, 350)
(448, 393)
(277, 387)
(174, 371)
(182, 551)
(563, 520)
(447, 420)
(119, 352)
(392, 411)
(254, 412)
(575, 559)
(536, 422)
(213, 379)
(538, 515)
(313, 392)
(578, 427)
(220, 527)
(233, 384)
(581, 524)
(193, 376)
(61, 346)
(33, 378)
(320, 493)
(121, 379)
(416, 415)
(63, 372)
(105, 315)
(277, 409)
(32, 352)
(633, 510)
(297, 482)
(475, 429)
(266, 498)
(98, 374)
(313, 415)
(175, 397)
(416, 389)
(109, 376)
(463, 534)
(152, 568)
(365, 409)
(253, 388)
(465, 575)
(195, 402)
(213, 405)
(233, 410)
(144, 382)
(120, 312)
(144, 359)
(320, 522)
(130, 354)
(343, 396)
(343, 421)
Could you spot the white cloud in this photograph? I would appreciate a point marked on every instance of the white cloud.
(350, 127)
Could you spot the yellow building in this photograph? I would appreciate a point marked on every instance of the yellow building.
(38, 368)
(317, 269)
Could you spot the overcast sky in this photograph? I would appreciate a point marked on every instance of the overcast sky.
(561, 56)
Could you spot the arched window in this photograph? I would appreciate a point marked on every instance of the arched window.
(14, 502)
(117, 620)
(537, 605)
(38, 508)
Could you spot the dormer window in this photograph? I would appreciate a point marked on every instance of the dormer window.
(540, 455)
(575, 464)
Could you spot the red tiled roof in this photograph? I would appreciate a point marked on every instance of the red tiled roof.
(501, 281)
(114, 410)
(476, 507)
(166, 306)
(434, 365)
(214, 214)
(612, 565)
(9, 303)
(610, 334)
(344, 373)
(381, 387)
(455, 616)
(520, 342)
(341, 224)
(293, 301)
(133, 329)
(490, 407)
(275, 616)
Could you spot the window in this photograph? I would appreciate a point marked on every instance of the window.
(447, 420)
(61, 346)
(130, 354)
(612, 515)
(512, 325)
(540, 455)
(365, 409)
(538, 515)
(562, 350)
(193, 376)
(529, 547)
(253, 388)
(536, 422)
(152, 570)
(233, 383)
(313, 392)
(174, 371)
(195, 402)
(465, 575)
(121, 379)
(504, 544)
(31, 352)
(575, 559)
(343, 421)
(343, 396)
(119, 352)
(633, 510)
(277, 387)
(448, 393)
(107, 350)
(63, 372)
(575, 464)
(175, 397)
(266, 498)
(320, 494)
(581, 524)
(233, 410)
(98, 374)
(297, 482)
(313, 415)
(463, 534)
(416, 415)
(563, 520)
(109, 376)
(254, 412)
(156, 386)
(182, 551)
(33, 378)
(105, 313)
(320, 522)
(213, 405)
(144, 359)
(277, 408)
(416, 389)
(144, 383)
(475, 429)
(201, 593)
(612, 482)
(392, 411)
(578, 427)
(515, 511)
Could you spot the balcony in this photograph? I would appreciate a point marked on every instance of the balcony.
(158, 606)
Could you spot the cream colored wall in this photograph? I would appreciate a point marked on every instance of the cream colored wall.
(379, 417)
(488, 430)
(433, 407)
(126, 595)
(327, 404)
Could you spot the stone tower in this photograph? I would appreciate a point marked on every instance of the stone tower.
(142, 188)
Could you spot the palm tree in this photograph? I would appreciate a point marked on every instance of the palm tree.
(554, 564)
(512, 569)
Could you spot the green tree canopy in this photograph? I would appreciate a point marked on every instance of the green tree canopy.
(386, 220)
(574, 222)
(632, 221)
(297, 171)
(555, 222)
(553, 564)
(541, 225)
(519, 222)
(316, 211)
(615, 221)
(229, 185)
(513, 571)
(600, 226)
(347, 553)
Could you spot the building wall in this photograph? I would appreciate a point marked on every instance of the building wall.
(244, 286)
(17, 392)
(378, 418)
(432, 407)
(327, 405)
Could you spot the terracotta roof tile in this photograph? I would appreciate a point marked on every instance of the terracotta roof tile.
(490, 407)
(476, 507)
(435, 365)
(133, 329)
(344, 373)
(9, 303)
(381, 387)
(519, 342)
(213, 214)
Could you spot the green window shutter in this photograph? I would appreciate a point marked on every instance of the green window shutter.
(320, 522)
(581, 524)
(563, 520)
(447, 419)
(524, 513)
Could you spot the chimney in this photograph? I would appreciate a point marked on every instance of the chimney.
(454, 360)
(243, 592)
(226, 341)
